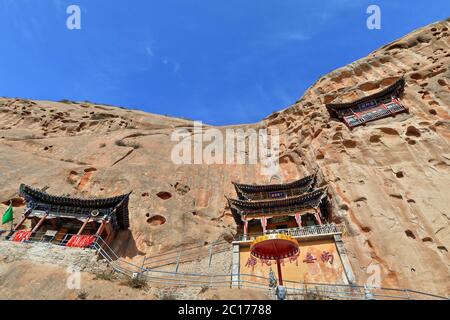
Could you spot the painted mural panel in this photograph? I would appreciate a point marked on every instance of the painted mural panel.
(318, 262)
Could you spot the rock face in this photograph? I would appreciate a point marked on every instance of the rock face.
(388, 180)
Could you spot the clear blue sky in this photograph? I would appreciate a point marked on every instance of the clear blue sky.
(219, 61)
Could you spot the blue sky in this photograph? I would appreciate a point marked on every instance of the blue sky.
(221, 62)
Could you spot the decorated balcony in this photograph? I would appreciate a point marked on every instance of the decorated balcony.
(308, 232)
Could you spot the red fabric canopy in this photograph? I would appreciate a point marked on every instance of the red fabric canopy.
(274, 247)
(80, 241)
(21, 235)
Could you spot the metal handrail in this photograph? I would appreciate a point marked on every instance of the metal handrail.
(186, 248)
(185, 258)
(185, 254)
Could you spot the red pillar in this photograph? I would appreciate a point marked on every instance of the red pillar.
(101, 228)
(280, 277)
(24, 218)
(386, 108)
(83, 226)
(245, 228)
(317, 215)
(298, 219)
(264, 224)
(39, 224)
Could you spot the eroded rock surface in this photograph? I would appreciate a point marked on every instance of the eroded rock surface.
(388, 181)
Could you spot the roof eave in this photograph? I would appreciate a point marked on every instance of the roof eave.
(398, 84)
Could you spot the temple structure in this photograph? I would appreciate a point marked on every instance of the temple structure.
(264, 208)
(298, 209)
(379, 105)
(73, 222)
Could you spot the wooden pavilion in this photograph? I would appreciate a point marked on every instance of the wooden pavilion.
(379, 105)
(74, 222)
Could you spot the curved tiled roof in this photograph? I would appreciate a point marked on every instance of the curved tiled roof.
(312, 198)
(70, 201)
(305, 182)
(394, 88)
(306, 200)
(117, 205)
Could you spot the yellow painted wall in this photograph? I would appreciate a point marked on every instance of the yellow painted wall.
(318, 271)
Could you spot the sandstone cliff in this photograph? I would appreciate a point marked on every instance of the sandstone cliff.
(388, 181)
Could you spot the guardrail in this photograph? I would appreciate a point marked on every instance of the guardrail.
(308, 231)
(185, 254)
(298, 291)
(295, 290)
(117, 263)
